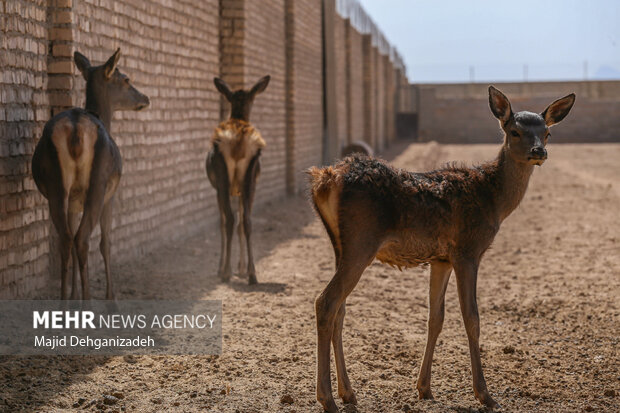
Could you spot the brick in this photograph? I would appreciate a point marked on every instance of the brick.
(63, 67)
(62, 50)
(61, 33)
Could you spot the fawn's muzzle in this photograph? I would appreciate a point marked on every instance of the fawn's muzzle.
(538, 154)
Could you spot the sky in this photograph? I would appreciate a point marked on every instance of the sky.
(478, 40)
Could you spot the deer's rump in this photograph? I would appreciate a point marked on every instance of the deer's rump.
(238, 142)
(72, 143)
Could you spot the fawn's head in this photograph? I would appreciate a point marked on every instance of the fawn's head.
(526, 133)
(241, 100)
(108, 85)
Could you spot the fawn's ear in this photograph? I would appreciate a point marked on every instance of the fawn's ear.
(110, 65)
(260, 86)
(82, 63)
(223, 88)
(500, 105)
(558, 110)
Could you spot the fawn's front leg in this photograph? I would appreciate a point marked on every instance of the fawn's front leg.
(440, 274)
(466, 270)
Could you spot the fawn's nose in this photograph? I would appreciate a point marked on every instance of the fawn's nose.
(539, 152)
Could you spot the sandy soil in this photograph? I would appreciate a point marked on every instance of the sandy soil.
(549, 297)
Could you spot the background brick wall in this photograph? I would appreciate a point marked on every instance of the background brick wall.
(24, 109)
(265, 53)
(172, 51)
(380, 95)
(390, 99)
(369, 98)
(460, 112)
(356, 96)
(342, 71)
(307, 88)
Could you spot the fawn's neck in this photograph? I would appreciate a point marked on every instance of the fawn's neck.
(99, 105)
(513, 178)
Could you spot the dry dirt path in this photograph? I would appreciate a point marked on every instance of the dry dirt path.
(549, 297)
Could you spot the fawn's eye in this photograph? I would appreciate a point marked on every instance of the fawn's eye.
(514, 133)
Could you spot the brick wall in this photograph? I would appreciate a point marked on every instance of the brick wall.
(265, 53)
(460, 112)
(171, 51)
(369, 90)
(379, 83)
(307, 88)
(342, 72)
(390, 98)
(356, 126)
(24, 108)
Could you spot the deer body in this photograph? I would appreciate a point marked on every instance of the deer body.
(233, 166)
(77, 166)
(446, 218)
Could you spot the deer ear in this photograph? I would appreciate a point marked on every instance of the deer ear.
(261, 85)
(558, 110)
(223, 88)
(500, 105)
(82, 63)
(110, 65)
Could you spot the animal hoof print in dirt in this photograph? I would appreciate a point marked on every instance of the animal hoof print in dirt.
(252, 279)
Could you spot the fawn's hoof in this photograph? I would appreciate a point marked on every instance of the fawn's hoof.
(252, 279)
(425, 394)
(349, 398)
(486, 399)
(329, 405)
(224, 276)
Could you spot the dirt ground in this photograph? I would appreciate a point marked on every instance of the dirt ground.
(548, 290)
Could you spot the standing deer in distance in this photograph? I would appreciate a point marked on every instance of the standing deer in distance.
(233, 165)
(77, 167)
(446, 218)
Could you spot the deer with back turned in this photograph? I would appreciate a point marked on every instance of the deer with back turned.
(233, 166)
(77, 167)
(446, 218)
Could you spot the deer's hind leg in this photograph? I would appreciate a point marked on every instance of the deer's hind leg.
(58, 206)
(105, 223)
(242, 243)
(218, 176)
(74, 222)
(93, 207)
(345, 390)
(247, 198)
(358, 248)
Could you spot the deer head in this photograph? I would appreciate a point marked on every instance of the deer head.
(241, 100)
(109, 86)
(526, 133)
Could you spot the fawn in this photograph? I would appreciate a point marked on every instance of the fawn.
(77, 167)
(446, 218)
(233, 166)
